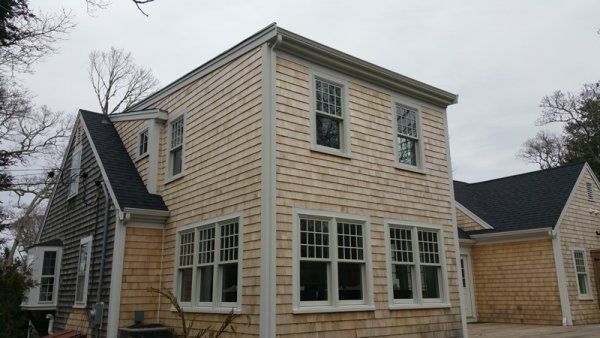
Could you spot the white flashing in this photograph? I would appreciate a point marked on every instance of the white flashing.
(472, 215)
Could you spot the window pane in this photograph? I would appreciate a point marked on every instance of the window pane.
(430, 281)
(46, 289)
(143, 143)
(350, 281)
(186, 249)
(176, 161)
(229, 241)
(402, 281)
(177, 132)
(49, 263)
(428, 247)
(350, 241)
(82, 266)
(314, 238)
(206, 245)
(328, 98)
(407, 121)
(328, 131)
(407, 150)
(205, 280)
(401, 245)
(229, 280)
(79, 286)
(582, 280)
(313, 281)
(579, 261)
(185, 285)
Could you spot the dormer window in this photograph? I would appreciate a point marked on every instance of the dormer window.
(143, 143)
(176, 138)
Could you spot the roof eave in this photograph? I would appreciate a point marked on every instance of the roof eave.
(318, 53)
(514, 236)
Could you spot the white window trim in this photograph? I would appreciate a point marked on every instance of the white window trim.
(83, 303)
(420, 167)
(332, 305)
(76, 152)
(168, 177)
(418, 302)
(215, 306)
(582, 296)
(345, 148)
(145, 129)
(56, 275)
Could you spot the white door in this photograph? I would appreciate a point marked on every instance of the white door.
(467, 287)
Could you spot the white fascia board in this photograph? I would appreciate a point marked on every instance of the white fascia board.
(158, 114)
(513, 236)
(472, 215)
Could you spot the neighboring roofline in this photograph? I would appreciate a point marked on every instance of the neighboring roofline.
(473, 216)
(304, 48)
(241, 48)
(140, 115)
(513, 236)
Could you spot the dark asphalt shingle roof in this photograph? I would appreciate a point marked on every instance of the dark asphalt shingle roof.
(123, 177)
(526, 201)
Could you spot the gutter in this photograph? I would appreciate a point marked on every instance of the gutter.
(514, 236)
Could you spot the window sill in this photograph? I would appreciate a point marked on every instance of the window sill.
(329, 309)
(331, 151)
(141, 157)
(174, 178)
(418, 170)
(71, 196)
(42, 306)
(412, 306)
(585, 297)
(218, 310)
(79, 306)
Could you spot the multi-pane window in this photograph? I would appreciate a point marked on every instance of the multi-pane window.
(208, 265)
(332, 262)
(176, 146)
(48, 277)
(143, 143)
(329, 113)
(83, 271)
(416, 266)
(590, 191)
(581, 273)
(407, 137)
(74, 173)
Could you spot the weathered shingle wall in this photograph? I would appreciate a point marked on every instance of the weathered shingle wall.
(465, 222)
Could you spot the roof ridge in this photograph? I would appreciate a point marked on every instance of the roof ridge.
(527, 173)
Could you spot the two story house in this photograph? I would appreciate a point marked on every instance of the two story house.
(302, 187)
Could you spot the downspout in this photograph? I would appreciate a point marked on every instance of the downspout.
(98, 307)
(50, 318)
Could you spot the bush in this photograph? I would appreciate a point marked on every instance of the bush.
(15, 280)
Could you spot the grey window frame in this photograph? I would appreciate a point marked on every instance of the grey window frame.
(419, 140)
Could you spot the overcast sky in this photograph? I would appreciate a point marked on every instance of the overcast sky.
(500, 57)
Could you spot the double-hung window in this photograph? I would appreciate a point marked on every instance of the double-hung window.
(143, 143)
(48, 276)
(176, 139)
(332, 263)
(83, 271)
(408, 146)
(208, 265)
(330, 116)
(581, 272)
(74, 172)
(416, 273)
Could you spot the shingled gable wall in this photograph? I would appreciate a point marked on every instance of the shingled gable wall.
(578, 230)
(465, 222)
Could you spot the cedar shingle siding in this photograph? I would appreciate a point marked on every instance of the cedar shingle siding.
(70, 220)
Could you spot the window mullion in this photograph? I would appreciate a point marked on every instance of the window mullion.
(195, 267)
(333, 256)
(417, 261)
(216, 270)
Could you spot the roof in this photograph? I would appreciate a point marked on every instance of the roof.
(294, 44)
(124, 179)
(520, 202)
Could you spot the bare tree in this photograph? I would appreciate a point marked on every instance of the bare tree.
(27, 36)
(545, 149)
(93, 5)
(117, 81)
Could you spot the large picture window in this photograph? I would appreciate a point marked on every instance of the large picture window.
(581, 273)
(208, 265)
(83, 271)
(416, 265)
(332, 267)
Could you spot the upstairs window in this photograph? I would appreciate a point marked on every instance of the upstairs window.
(83, 271)
(176, 146)
(208, 266)
(143, 143)
(74, 173)
(330, 117)
(581, 271)
(408, 147)
(590, 192)
(416, 271)
(48, 277)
